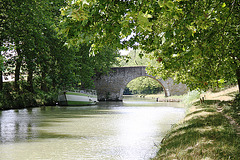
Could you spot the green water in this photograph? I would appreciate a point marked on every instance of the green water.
(128, 130)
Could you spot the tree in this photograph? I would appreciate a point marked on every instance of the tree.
(31, 28)
(22, 27)
(26, 28)
(134, 58)
(141, 85)
(198, 42)
(29, 31)
(2, 37)
(195, 42)
(144, 85)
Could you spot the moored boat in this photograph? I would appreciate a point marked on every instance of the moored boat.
(77, 98)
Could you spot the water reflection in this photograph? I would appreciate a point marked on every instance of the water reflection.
(109, 130)
(141, 129)
(17, 125)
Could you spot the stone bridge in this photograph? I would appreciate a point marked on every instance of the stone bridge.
(110, 87)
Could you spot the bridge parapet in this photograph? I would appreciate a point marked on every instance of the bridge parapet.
(110, 87)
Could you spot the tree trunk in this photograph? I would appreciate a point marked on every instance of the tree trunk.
(43, 82)
(238, 78)
(17, 74)
(30, 80)
(17, 70)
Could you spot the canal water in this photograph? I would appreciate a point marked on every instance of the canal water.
(128, 130)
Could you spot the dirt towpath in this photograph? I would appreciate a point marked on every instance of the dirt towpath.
(226, 95)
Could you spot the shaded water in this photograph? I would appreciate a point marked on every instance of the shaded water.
(126, 130)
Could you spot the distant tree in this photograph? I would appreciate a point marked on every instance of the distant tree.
(127, 91)
(144, 85)
(141, 85)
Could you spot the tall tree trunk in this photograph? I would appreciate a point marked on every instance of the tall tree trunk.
(43, 82)
(17, 74)
(30, 80)
(17, 69)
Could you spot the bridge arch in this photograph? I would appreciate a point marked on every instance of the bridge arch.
(160, 81)
(110, 87)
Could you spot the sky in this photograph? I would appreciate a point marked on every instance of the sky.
(125, 51)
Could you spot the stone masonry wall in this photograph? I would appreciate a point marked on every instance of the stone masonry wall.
(110, 87)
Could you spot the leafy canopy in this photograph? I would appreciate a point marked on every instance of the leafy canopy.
(195, 42)
(30, 27)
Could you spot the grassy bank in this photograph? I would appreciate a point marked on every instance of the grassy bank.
(209, 131)
(161, 97)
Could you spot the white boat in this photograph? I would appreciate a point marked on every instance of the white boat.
(77, 98)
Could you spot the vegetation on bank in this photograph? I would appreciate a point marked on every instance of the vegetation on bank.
(210, 130)
(186, 98)
(64, 43)
(193, 42)
(40, 61)
(143, 85)
(23, 98)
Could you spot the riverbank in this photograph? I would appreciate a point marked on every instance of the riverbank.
(23, 98)
(210, 130)
(161, 97)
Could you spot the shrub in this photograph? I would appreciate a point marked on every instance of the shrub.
(12, 99)
(189, 98)
(47, 98)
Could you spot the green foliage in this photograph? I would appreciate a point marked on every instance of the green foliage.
(2, 48)
(46, 98)
(32, 49)
(235, 109)
(197, 47)
(189, 98)
(11, 99)
(195, 42)
(144, 85)
(135, 58)
(28, 26)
